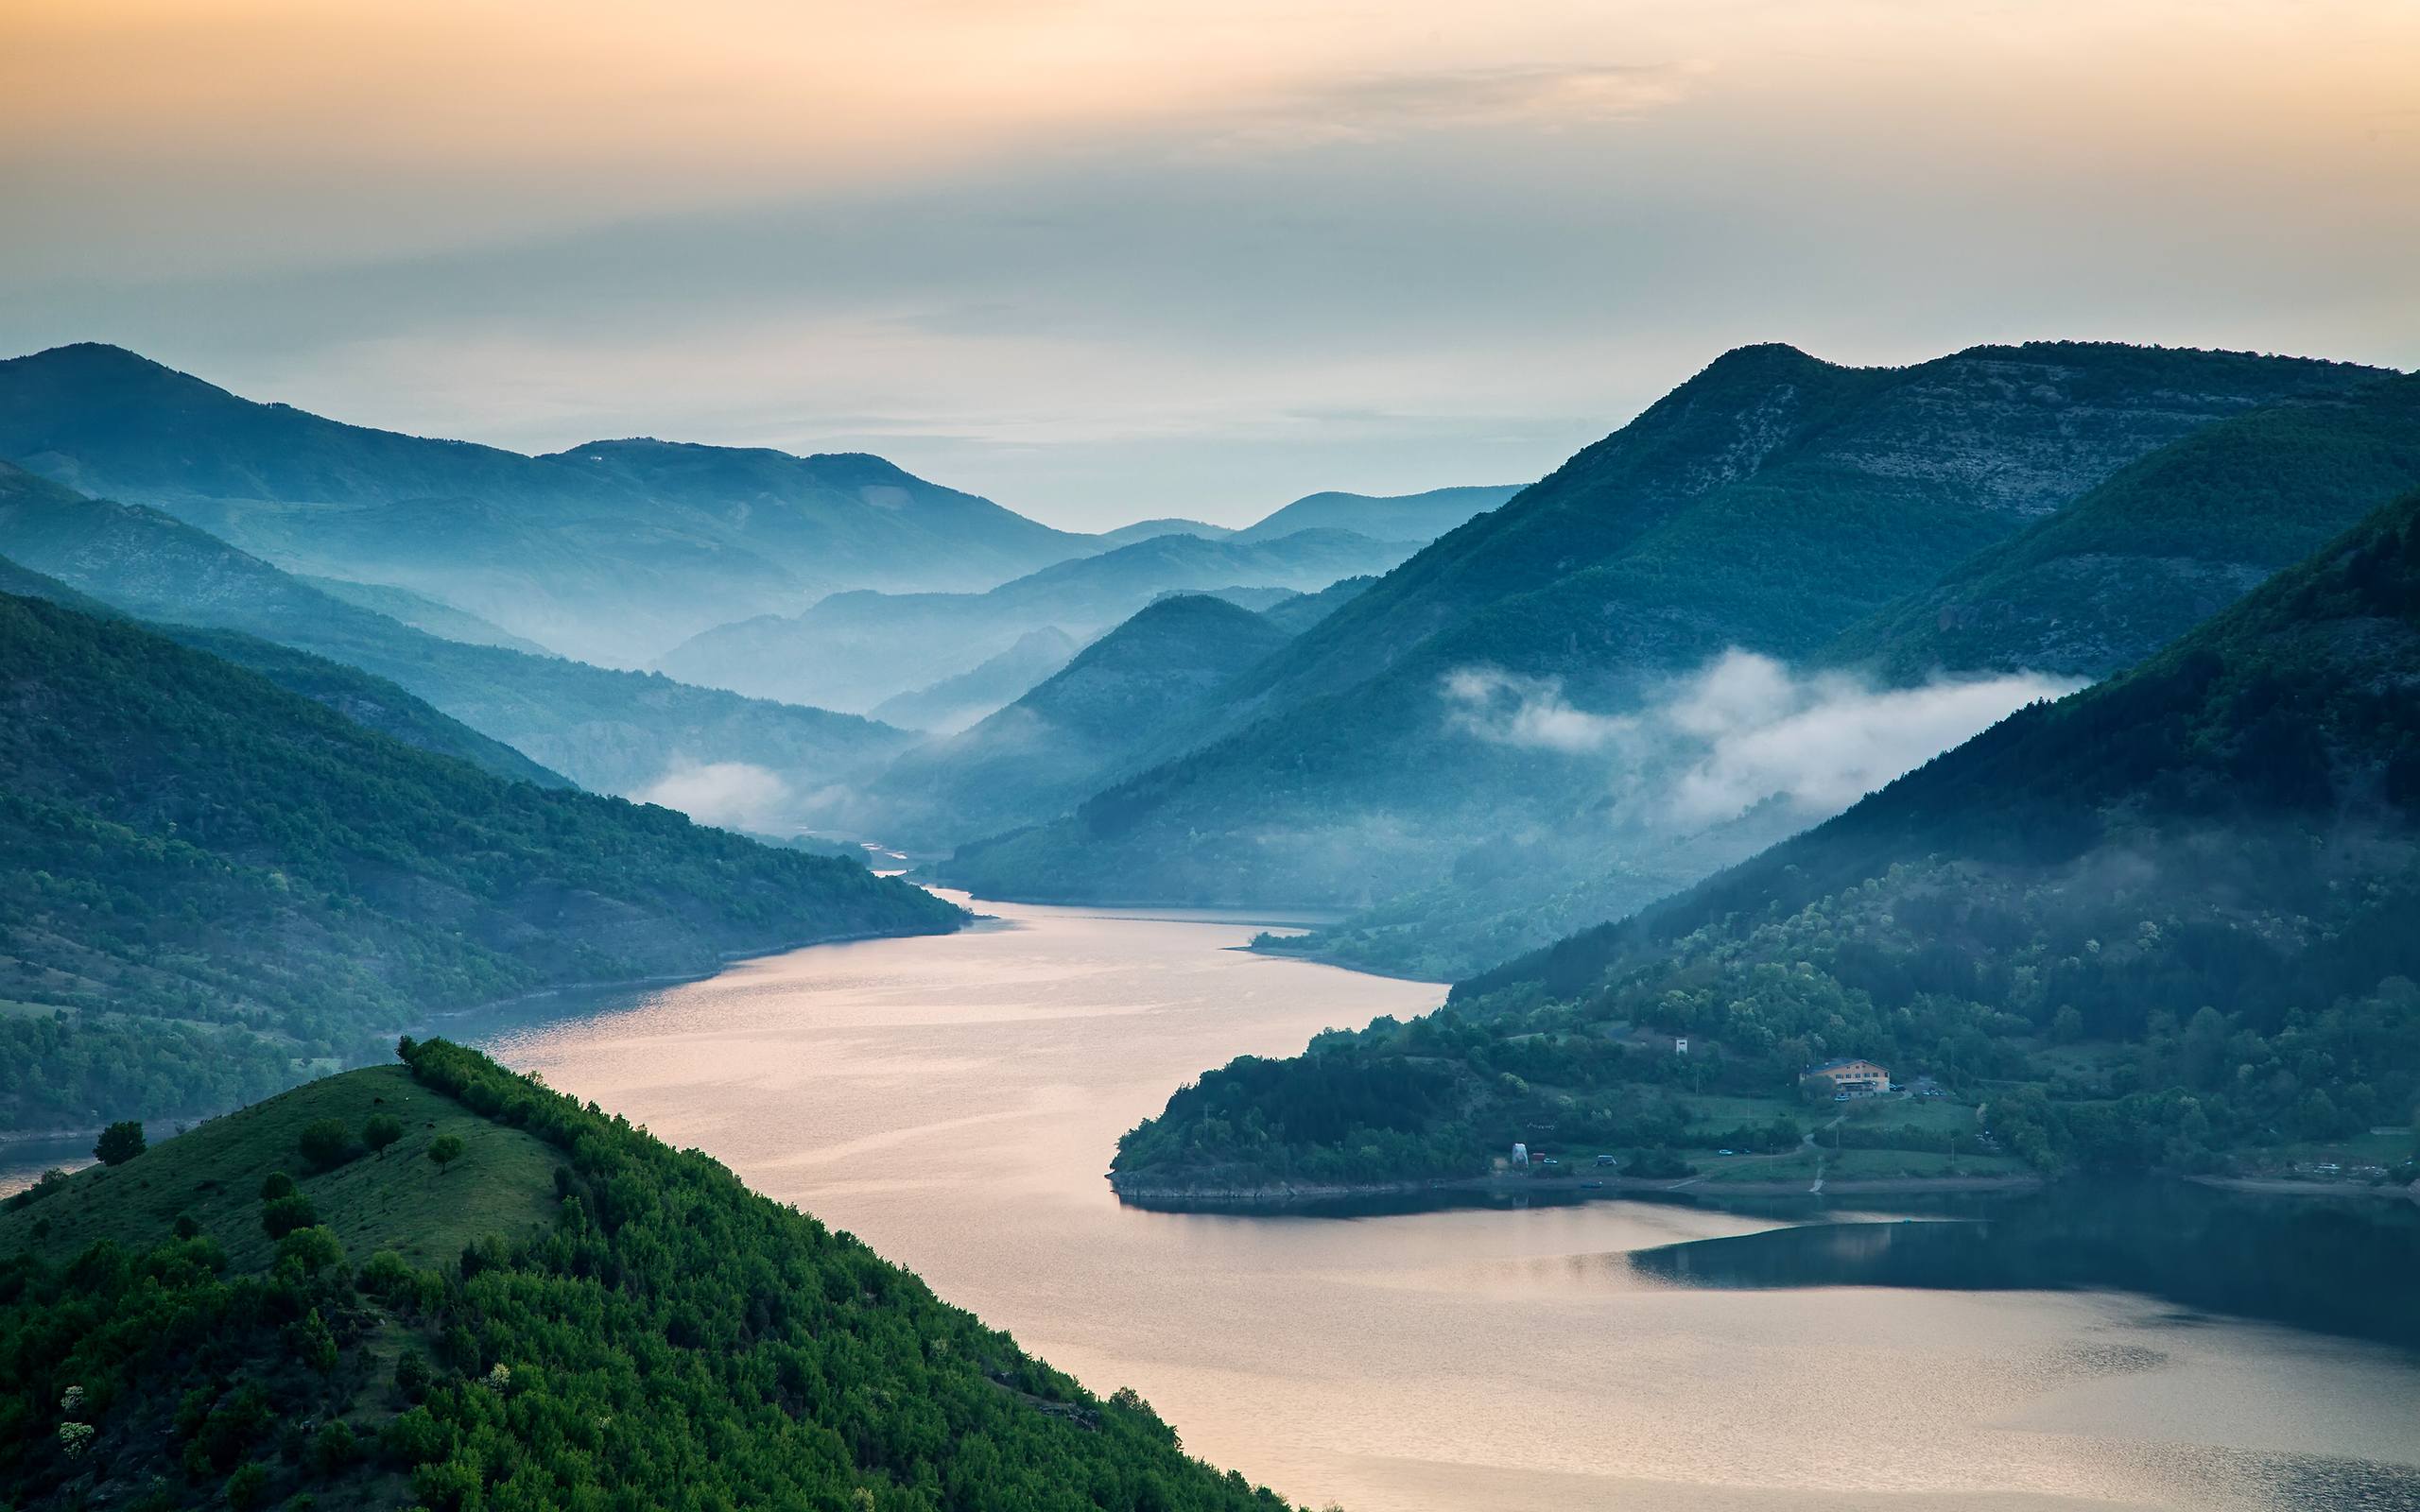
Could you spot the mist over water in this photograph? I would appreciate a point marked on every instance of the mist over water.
(953, 1102)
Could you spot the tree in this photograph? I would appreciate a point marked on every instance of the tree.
(119, 1143)
(327, 1144)
(275, 1185)
(281, 1216)
(382, 1131)
(446, 1149)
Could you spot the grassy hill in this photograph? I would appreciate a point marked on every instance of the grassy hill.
(1062, 740)
(2164, 545)
(2163, 922)
(570, 1314)
(210, 884)
(1767, 504)
(609, 731)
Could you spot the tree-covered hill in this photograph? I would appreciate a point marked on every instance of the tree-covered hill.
(2164, 545)
(2162, 919)
(1767, 504)
(363, 698)
(566, 1314)
(609, 731)
(1033, 759)
(210, 883)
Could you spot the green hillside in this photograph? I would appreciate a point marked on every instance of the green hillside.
(569, 1314)
(2161, 546)
(2163, 922)
(360, 698)
(609, 731)
(1767, 504)
(210, 884)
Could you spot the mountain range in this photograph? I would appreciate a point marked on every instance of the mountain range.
(610, 552)
(1073, 732)
(853, 650)
(1464, 714)
(608, 730)
(2161, 918)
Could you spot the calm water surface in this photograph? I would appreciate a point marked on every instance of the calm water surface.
(955, 1102)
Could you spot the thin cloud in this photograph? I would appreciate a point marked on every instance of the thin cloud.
(1744, 729)
(1380, 107)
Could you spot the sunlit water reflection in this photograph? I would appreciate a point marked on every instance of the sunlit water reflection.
(955, 1102)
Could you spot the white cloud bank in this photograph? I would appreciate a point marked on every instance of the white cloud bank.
(728, 794)
(1745, 729)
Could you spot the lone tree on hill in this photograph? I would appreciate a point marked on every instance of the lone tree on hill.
(382, 1131)
(446, 1149)
(119, 1143)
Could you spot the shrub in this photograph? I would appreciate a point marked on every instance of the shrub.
(119, 1143)
(248, 1487)
(275, 1185)
(382, 1131)
(281, 1216)
(327, 1144)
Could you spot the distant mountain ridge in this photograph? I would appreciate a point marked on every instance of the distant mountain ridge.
(853, 650)
(1421, 517)
(612, 552)
(1033, 759)
(609, 732)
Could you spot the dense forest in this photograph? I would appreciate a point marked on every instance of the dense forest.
(2160, 920)
(514, 1303)
(210, 884)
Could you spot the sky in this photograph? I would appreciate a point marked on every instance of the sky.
(1104, 260)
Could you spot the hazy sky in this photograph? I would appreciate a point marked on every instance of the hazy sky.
(1106, 260)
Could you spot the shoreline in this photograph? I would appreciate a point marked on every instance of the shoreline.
(1281, 1196)
(1275, 1198)
(433, 1020)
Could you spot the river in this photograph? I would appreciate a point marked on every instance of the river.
(955, 1101)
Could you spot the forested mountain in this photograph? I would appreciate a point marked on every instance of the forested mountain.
(1467, 706)
(610, 552)
(610, 731)
(367, 700)
(1419, 517)
(565, 1312)
(2164, 545)
(1299, 613)
(955, 702)
(209, 883)
(1170, 525)
(2160, 546)
(853, 651)
(1032, 759)
(422, 612)
(2164, 918)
